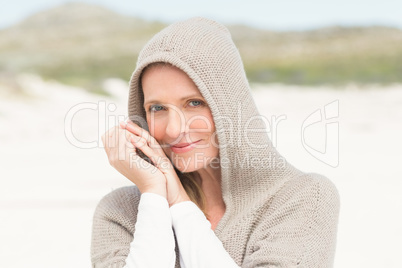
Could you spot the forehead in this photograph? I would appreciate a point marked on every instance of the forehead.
(166, 81)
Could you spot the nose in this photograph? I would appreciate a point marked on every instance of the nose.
(176, 124)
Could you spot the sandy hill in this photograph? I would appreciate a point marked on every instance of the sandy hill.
(83, 44)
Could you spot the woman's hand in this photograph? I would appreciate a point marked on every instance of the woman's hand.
(121, 152)
(151, 176)
(145, 142)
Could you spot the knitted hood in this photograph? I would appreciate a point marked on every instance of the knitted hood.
(251, 168)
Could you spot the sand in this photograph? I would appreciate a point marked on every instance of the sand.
(50, 185)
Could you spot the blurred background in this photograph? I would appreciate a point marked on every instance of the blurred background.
(64, 71)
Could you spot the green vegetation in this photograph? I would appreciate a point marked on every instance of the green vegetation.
(89, 73)
(363, 70)
(82, 45)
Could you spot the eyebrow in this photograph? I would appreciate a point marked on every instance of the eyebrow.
(184, 98)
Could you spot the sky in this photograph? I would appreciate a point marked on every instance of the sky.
(273, 15)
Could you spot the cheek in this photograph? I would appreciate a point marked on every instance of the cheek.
(202, 122)
(156, 129)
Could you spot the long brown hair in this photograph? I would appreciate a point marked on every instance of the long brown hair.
(188, 180)
(193, 189)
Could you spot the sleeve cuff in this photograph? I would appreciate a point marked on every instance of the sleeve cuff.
(153, 199)
(186, 209)
(154, 211)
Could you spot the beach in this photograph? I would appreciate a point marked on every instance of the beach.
(54, 170)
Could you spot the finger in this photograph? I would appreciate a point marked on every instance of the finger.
(111, 137)
(129, 135)
(123, 124)
(137, 161)
(137, 130)
(160, 161)
(121, 153)
(141, 143)
(125, 147)
(108, 139)
(145, 135)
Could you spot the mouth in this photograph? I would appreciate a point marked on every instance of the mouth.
(183, 147)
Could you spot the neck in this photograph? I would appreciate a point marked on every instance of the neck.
(210, 181)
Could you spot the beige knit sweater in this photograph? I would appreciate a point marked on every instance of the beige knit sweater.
(276, 215)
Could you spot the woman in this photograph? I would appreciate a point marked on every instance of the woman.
(217, 193)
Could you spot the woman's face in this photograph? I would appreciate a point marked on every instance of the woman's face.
(179, 118)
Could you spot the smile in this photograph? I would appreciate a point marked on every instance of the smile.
(183, 147)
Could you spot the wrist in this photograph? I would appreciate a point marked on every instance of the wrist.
(156, 190)
(182, 197)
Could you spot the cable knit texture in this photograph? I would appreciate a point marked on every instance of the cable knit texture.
(276, 215)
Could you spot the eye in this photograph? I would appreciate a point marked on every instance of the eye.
(195, 103)
(155, 108)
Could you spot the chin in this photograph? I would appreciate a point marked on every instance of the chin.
(185, 167)
(185, 170)
(191, 163)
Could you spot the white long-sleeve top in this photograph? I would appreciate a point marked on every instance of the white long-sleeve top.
(154, 246)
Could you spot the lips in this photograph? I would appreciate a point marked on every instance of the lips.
(183, 147)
